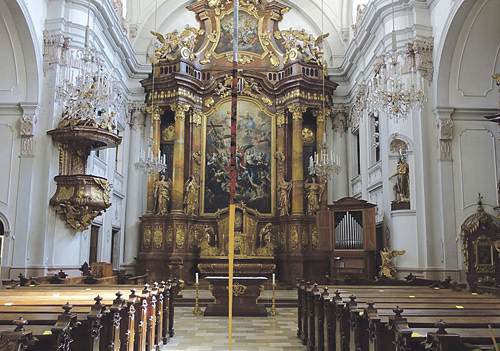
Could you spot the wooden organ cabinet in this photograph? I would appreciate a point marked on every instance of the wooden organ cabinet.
(347, 229)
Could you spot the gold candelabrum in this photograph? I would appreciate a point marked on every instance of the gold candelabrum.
(197, 310)
(274, 311)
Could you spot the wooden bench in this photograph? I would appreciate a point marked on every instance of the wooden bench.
(142, 322)
(345, 321)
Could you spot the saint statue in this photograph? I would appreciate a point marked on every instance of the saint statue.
(284, 188)
(266, 244)
(401, 187)
(190, 196)
(314, 191)
(162, 195)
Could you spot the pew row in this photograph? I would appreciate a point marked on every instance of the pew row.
(368, 318)
(144, 321)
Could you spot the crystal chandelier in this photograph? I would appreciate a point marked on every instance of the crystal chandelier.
(325, 164)
(149, 163)
(86, 91)
(396, 88)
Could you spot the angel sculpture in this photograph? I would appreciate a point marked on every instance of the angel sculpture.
(387, 269)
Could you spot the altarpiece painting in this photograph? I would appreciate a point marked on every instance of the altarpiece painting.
(253, 157)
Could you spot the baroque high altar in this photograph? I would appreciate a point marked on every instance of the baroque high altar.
(283, 102)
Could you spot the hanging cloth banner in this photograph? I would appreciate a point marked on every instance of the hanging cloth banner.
(232, 167)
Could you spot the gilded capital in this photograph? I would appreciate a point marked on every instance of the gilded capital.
(321, 115)
(280, 118)
(297, 110)
(180, 110)
(155, 112)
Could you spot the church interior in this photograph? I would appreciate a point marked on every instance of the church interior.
(345, 143)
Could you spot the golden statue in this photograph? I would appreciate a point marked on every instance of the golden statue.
(284, 188)
(266, 244)
(402, 186)
(190, 196)
(162, 195)
(314, 192)
(206, 249)
(387, 269)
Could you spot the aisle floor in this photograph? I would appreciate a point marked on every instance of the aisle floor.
(199, 333)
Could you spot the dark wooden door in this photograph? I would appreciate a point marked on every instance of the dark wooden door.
(94, 242)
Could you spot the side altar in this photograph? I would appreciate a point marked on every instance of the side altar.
(284, 99)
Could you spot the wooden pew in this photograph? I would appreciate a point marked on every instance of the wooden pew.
(333, 331)
(143, 322)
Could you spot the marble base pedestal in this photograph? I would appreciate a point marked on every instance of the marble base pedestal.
(246, 291)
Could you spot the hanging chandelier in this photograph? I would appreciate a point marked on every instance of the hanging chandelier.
(88, 93)
(396, 87)
(150, 162)
(326, 163)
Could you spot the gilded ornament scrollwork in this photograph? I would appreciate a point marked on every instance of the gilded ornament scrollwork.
(280, 118)
(238, 289)
(307, 136)
(197, 117)
(209, 102)
(169, 46)
(157, 237)
(267, 100)
(168, 133)
(296, 42)
(179, 236)
(146, 237)
(65, 193)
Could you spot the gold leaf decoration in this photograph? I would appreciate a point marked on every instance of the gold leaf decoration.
(209, 101)
(179, 236)
(158, 237)
(146, 237)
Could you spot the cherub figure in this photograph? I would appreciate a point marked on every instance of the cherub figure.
(387, 269)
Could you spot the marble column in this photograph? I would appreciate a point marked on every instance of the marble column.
(134, 189)
(180, 110)
(297, 160)
(156, 113)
